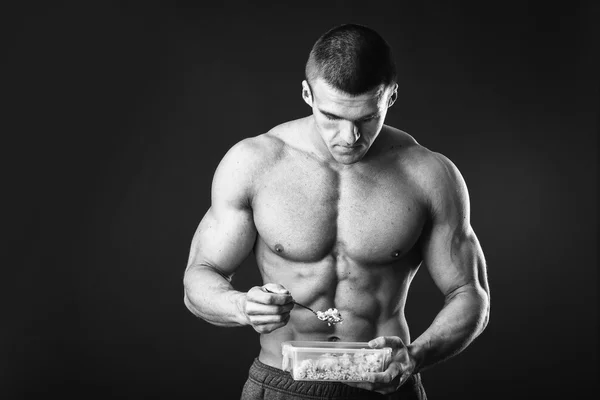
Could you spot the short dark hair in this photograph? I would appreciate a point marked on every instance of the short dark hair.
(351, 58)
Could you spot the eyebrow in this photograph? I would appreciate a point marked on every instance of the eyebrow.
(333, 116)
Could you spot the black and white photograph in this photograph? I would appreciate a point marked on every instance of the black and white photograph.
(316, 200)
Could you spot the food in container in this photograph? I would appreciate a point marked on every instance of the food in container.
(333, 361)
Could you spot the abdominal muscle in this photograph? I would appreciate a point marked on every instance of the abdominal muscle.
(370, 299)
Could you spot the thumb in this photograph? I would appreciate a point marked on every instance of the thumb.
(275, 288)
(386, 341)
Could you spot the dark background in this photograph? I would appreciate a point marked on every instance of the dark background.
(116, 118)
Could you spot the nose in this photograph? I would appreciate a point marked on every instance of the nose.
(350, 133)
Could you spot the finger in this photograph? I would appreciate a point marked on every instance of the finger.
(262, 324)
(264, 329)
(404, 378)
(280, 293)
(267, 309)
(386, 376)
(360, 385)
(275, 288)
(387, 389)
(386, 341)
(269, 319)
(268, 328)
(261, 295)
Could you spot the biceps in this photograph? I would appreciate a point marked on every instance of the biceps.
(223, 239)
(454, 258)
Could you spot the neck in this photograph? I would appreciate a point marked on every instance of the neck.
(319, 148)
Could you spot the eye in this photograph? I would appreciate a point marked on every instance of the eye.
(371, 118)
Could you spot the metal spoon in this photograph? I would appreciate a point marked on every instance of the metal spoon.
(332, 317)
(308, 308)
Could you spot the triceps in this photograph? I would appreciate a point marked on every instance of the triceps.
(211, 267)
(454, 260)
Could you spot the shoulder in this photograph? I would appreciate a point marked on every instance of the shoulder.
(252, 155)
(252, 152)
(433, 170)
(432, 173)
(245, 162)
(443, 186)
(258, 152)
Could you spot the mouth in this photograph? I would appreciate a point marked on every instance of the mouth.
(348, 148)
(345, 146)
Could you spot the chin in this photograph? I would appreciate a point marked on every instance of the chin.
(348, 159)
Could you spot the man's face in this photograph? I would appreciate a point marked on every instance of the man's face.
(348, 125)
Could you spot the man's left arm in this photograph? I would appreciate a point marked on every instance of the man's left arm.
(454, 258)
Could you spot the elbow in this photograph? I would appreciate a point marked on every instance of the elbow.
(186, 299)
(191, 278)
(190, 306)
(188, 303)
(485, 310)
(480, 309)
(187, 292)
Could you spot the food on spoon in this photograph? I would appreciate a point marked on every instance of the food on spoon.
(331, 316)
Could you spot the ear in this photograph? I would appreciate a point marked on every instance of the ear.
(306, 93)
(393, 96)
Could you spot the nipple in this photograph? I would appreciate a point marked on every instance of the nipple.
(279, 248)
(396, 253)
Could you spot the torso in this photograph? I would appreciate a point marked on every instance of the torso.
(339, 237)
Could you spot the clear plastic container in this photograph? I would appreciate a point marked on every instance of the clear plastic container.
(333, 361)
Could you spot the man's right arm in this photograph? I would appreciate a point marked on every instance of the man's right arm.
(224, 238)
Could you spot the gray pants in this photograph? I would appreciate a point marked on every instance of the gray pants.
(269, 383)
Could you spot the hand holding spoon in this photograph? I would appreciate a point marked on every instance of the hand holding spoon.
(332, 316)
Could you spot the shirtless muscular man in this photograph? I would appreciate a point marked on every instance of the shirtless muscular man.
(340, 211)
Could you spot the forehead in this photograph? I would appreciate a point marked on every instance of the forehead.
(326, 96)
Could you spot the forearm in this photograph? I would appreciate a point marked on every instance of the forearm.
(463, 317)
(210, 296)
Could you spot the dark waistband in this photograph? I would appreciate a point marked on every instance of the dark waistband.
(281, 380)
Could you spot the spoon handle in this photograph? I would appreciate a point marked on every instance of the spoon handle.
(308, 308)
(298, 304)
